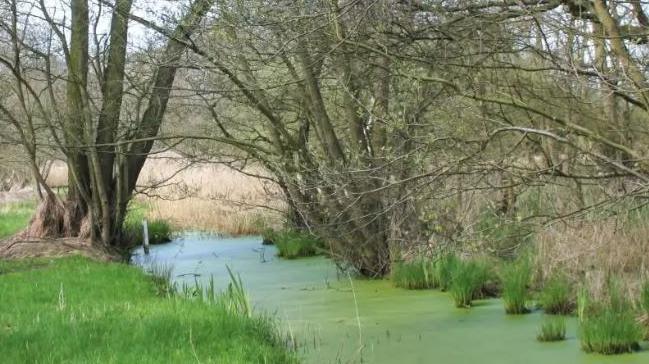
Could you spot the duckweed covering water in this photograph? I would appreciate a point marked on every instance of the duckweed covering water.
(318, 306)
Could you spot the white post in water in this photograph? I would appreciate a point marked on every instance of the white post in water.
(146, 237)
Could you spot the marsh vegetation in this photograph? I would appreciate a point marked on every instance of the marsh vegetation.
(484, 148)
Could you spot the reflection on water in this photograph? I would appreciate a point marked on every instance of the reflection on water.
(319, 307)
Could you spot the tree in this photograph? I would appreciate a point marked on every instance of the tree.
(104, 152)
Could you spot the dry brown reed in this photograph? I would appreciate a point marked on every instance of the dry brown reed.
(594, 251)
(210, 197)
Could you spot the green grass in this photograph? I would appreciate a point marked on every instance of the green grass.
(444, 269)
(556, 296)
(467, 280)
(292, 244)
(609, 327)
(515, 279)
(75, 310)
(644, 297)
(416, 274)
(159, 230)
(15, 217)
(552, 329)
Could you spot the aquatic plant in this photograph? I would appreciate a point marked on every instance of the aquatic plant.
(555, 298)
(609, 327)
(515, 279)
(467, 279)
(161, 275)
(417, 274)
(644, 297)
(444, 270)
(644, 305)
(159, 231)
(552, 329)
(292, 244)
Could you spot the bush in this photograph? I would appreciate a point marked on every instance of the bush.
(552, 329)
(556, 297)
(292, 244)
(159, 232)
(467, 280)
(417, 274)
(610, 327)
(515, 278)
(444, 269)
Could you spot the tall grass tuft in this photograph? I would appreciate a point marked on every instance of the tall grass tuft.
(556, 296)
(552, 329)
(515, 279)
(644, 305)
(159, 232)
(161, 275)
(609, 327)
(644, 297)
(235, 297)
(416, 274)
(444, 270)
(467, 279)
(292, 244)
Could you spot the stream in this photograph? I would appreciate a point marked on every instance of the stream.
(337, 319)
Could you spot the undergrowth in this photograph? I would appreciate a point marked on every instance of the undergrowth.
(417, 274)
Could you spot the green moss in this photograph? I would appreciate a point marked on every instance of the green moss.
(75, 310)
(416, 274)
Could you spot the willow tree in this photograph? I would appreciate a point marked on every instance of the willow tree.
(105, 143)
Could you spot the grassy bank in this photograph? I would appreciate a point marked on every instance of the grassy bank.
(75, 310)
(14, 217)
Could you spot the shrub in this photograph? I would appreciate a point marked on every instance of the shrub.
(515, 278)
(293, 244)
(444, 269)
(610, 327)
(556, 297)
(416, 274)
(552, 329)
(467, 280)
